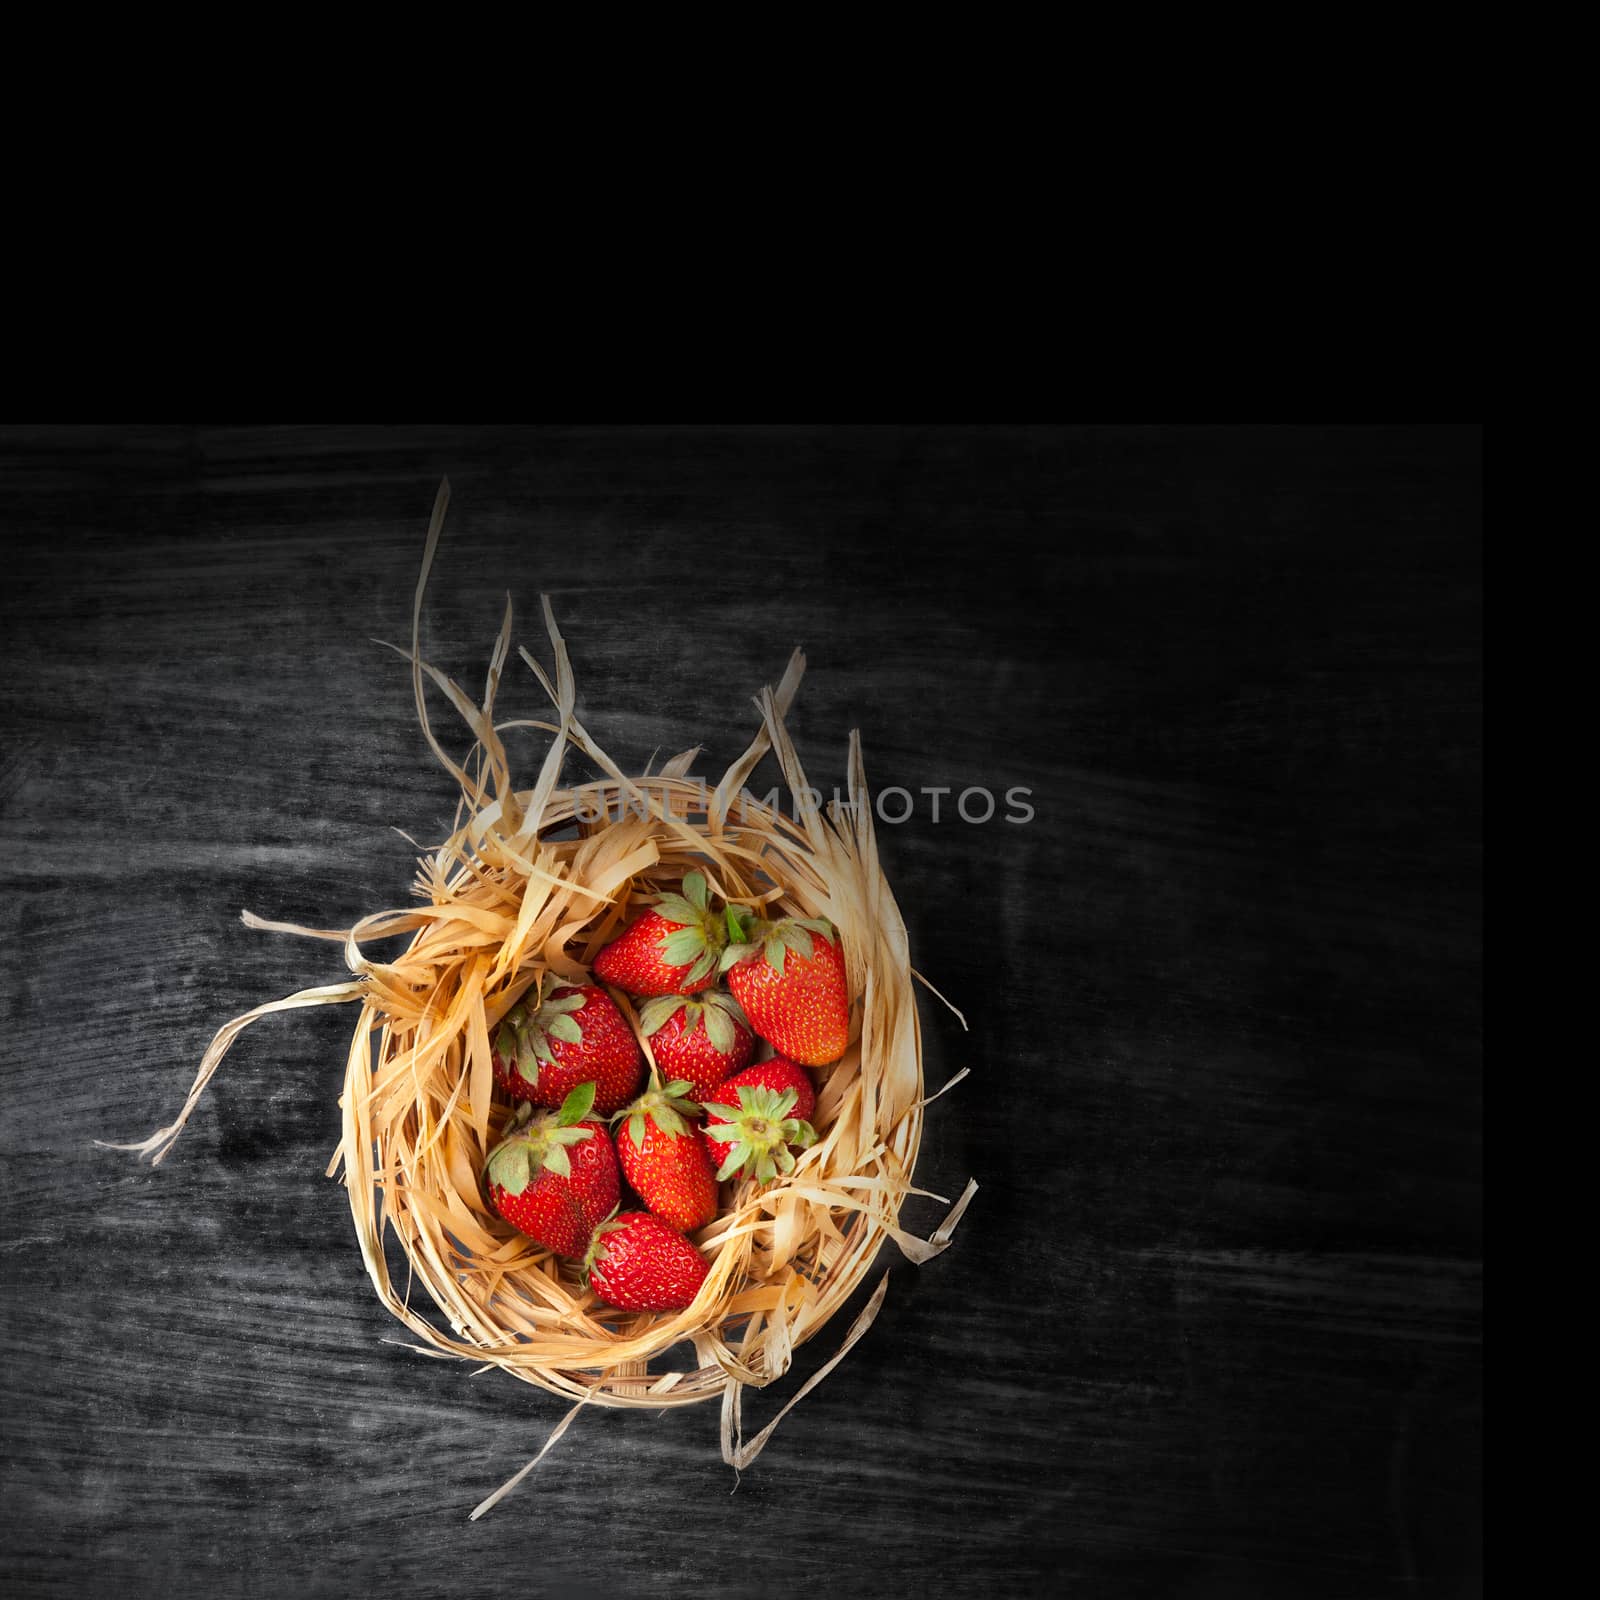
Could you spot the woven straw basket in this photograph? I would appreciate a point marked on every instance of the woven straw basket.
(538, 880)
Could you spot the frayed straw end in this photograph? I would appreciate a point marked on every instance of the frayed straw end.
(735, 1450)
(921, 1250)
(511, 1482)
(953, 1009)
(160, 1142)
(738, 1453)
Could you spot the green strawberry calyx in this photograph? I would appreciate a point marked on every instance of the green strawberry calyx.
(538, 1144)
(774, 941)
(715, 1010)
(699, 934)
(670, 1108)
(525, 1036)
(758, 1133)
(594, 1254)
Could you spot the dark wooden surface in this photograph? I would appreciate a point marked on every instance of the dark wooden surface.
(1212, 1326)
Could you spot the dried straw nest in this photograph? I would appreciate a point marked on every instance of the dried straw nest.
(538, 880)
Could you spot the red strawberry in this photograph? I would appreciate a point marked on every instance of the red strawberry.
(756, 1116)
(638, 1263)
(780, 1075)
(789, 977)
(577, 1035)
(554, 1175)
(701, 1041)
(664, 1159)
(670, 950)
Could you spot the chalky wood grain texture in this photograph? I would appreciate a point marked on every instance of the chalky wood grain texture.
(1212, 1326)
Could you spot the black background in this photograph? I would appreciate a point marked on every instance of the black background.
(1212, 1326)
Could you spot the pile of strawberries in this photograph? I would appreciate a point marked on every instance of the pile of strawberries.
(706, 1114)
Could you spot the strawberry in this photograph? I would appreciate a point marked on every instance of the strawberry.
(780, 1075)
(756, 1116)
(672, 949)
(554, 1175)
(637, 1263)
(789, 977)
(664, 1159)
(574, 1035)
(700, 1040)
